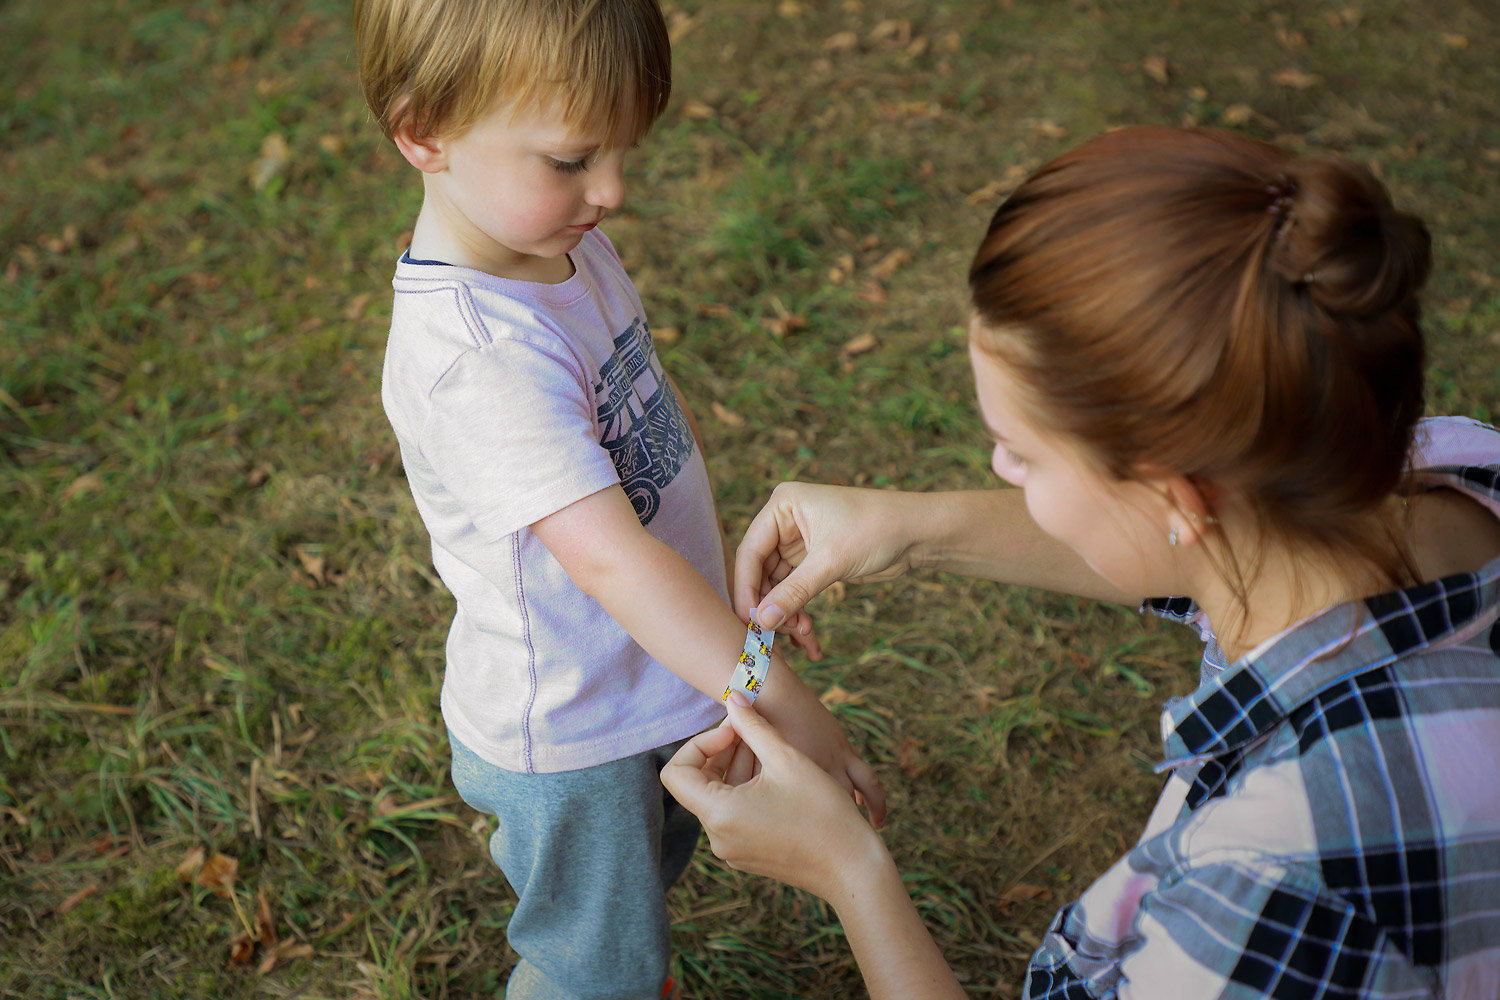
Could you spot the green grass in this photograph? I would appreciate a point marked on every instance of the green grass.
(219, 625)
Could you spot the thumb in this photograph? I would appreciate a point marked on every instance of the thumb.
(789, 596)
(753, 728)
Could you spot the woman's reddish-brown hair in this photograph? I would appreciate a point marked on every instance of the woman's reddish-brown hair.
(1200, 302)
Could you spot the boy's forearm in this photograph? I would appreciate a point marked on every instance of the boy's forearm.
(652, 592)
(679, 619)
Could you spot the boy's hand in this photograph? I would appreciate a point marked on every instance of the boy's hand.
(804, 722)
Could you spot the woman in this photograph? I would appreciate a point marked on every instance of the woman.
(1200, 358)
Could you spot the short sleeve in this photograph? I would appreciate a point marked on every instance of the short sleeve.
(511, 435)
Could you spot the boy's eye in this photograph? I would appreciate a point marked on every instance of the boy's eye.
(568, 166)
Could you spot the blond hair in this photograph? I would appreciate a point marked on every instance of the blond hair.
(436, 66)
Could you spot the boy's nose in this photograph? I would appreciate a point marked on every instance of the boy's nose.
(608, 189)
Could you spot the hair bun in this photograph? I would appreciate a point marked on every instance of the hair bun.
(1341, 239)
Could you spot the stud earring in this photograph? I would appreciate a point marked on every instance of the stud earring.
(1172, 537)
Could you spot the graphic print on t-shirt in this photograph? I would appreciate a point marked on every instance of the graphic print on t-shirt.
(644, 430)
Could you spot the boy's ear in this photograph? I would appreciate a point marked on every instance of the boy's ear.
(426, 153)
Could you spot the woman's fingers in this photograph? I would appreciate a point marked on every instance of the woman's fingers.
(869, 791)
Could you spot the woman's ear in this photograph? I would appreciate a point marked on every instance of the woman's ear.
(1192, 509)
(426, 153)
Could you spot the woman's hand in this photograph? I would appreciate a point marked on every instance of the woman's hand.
(808, 536)
(792, 821)
(805, 725)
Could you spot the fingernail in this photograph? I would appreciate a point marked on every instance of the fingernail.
(738, 697)
(769, 616)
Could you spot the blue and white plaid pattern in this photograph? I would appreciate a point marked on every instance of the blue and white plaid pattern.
(1331, 828)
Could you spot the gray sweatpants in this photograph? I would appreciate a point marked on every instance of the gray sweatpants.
(591, 854)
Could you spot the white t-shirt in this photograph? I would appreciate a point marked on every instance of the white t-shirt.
(510, 401)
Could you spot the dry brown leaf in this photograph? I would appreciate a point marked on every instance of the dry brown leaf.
(863, 344)
(357, 305)
(313, 563)
(844, 41)
(241, 950)
(218, 874)
(665, 334)
(1455, 41)
(330, 144)
(780, 326)
(89, 482)
(838, 696)
(1290, 39)
(1156, 68)
(917, 47)
(713, 310)
(75, 898)
(843, 266)
(1295, 78)
(726, 415)
(1049, 129)
(990, 192)
(698, 111)
(1490, 155)
(790, 8)
(1021, 894)
(909, 757)
(265, 923)
(835, 592)
(1237, 114)
(275, 155)
(872, 292)
(892, 32)
(187, 869)
(890, 264)
(950, 43)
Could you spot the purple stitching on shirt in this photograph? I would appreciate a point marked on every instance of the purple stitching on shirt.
(465, 303)
(515, 560)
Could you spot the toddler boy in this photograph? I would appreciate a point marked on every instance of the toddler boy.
(559, 473)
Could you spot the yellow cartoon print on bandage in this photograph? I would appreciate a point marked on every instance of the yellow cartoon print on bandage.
(750, 671)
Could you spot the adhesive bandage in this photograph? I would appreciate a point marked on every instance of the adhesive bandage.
(750, 672)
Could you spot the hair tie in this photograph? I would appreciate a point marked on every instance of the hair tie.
(1281, 191)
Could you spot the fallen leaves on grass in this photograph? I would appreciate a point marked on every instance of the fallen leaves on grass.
(844, 41)
(1296, 78)
(890, 264)
(726, 416)
(275, 157)
(1022, 894)
(89, 482)
(843, 266)
(862, 344)
(780, 326)
(1156, 68)
(836, 695)
(314, 564)
(218, 874)
(75, 898)
(910, 758)
(1237, 114)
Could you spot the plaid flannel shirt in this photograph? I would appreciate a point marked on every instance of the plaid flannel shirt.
(1331, 826)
